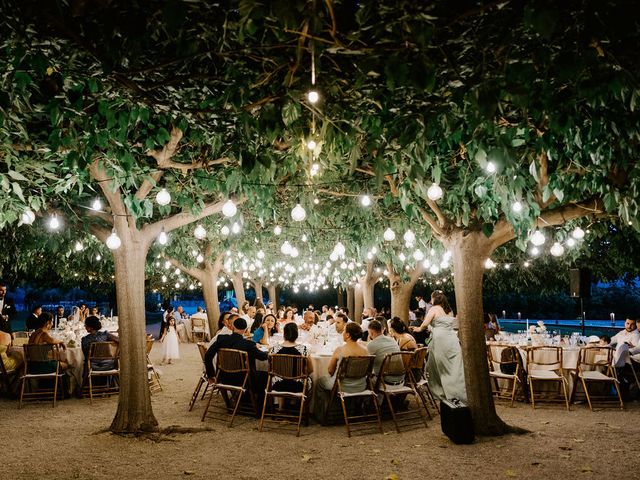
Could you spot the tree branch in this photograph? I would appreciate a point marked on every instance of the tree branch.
(194, 272)
(442, 219)
(433, 223)
(114, 198)
(543, 181)
(148, 184)
(99, 232)
(345, 194)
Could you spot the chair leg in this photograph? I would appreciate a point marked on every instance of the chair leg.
(22, 392)
(513, 390)
(55, 391)
(206, 408)
(264, 409)
(90, 390)
(420, 394)
(533, 399)
(300, 414)
(235, 409)
(616, 384)
(346, 417)
(374, 400)
(566, 394)
(393, 412)
(196, 392)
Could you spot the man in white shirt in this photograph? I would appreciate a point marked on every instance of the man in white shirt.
(626, 343)
(309, 331)
(227, 329)
(325, 311)
(421, 303)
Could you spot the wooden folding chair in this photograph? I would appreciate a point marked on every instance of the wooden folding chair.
(9, 377)
(198, 329)
(20, 338)
(356, 368)
(101, 352)
(544, 364)
(292, 368)
(595, 365)
(505, 366)
(152, 374)
(203, 380)
(418, 378)
(40, 358)
(397, 365)
(231, 362)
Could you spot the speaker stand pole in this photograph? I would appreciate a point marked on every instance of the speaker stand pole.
(582, 314)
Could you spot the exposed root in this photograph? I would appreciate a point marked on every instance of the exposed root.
(158, 434)
(500, 428)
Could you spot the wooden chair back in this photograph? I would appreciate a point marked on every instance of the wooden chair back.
(202, 348)
(103, 351)
(20, 338)
(395, 364)
(40, 353)
(197, 323)
(288, 367)
(544, 358)
(595, 358)
(232, 361)
(355, 367)
(149, 345)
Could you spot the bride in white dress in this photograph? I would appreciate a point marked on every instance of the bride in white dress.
(170, 341)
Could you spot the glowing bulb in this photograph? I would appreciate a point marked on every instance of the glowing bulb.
(538, 238)
(294, 252)
(578, 233)
(409, 237)
(304, 237)
(418, 255)
(434, 270)
(526, 264)
(516, 207)
(96, 205)
(225, 231)
(98, 257)
(402, 257)
(163, 238)
(78, 247)
(199, 232)
(535, 251)
(489, 263)
(507, 266)
(557, 249)
(260, 254)
(313, 96)
(200, 258)
(334, 256)
(28, 217)
(311, 145)
(315, 169)
(316, 201)
(229, 208)
(298, 214)
(54, 223)
(426, 263)
(434, 192)
(389, 235)
(235, 228)
(163, 197)
(286, 248)
(339, 249)
(365, 200)
(571, 242)
(277, 230)
(113, 241)
(491, 167)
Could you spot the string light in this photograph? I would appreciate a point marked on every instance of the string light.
(535, 251)
(538, 238)
(316, 201)
(96, 205)
(557, 249)
(315, 169)
(389, 235)
(113, 241)
(28, 217)
(491, 167)
(163, 238)
(434, 270)
(260, 254)
(571, 242)
(365, 201)
(578, 233)
(304, 237)
(54, 223)
(313, 96)
(78, 247)
(98, 257)
(339, 249)
(277, 230)
(224, 231)
(418, 255)
(286, 248)
(199, 232)
(488, 264)
(516, 207)
(311, 145)
(235, 228)
(526, 264)
(434, 192)
(229, 208)
(298, 214)
(199, 258)
(409, 237)
(163, 197)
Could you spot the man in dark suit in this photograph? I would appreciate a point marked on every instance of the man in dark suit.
(237, 341)
(33, 320)
(8, 310)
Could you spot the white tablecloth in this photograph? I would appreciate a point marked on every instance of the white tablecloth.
(186, 333)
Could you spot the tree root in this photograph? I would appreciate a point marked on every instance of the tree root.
(500, 428)
(158, 434)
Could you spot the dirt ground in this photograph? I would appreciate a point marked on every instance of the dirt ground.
(41, 442)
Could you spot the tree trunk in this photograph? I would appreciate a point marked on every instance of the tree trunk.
(134, 412)
(272, 289)
(358, 303)
(469, 252)
(340, 296)
(210, 294)
(257, 286)
(350, 301)
(400, 300)
(367, 288)
(238, 288)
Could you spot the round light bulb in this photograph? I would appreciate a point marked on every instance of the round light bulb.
(28, 217)
(434, 192)
(298, 213)
(578, 233)
(225, 230)
(434, 270)
(199, 232)
(199, 258)
(538, 238)
(113, 241)
(163, 238)
(535, 251)
(54, 223)
(294, 252)
(311, 145)
(409, 237)
(418, 255)
(491, 167)
(557, 249)
(163, 197)
(78, 247)
(260, 254)
(339, 249)
(365, 200)
(96, 205)
(389, 235)
(235, 228)
(489, 263)
(516, 207)
(526, 264)
(571, 242)
(229, 208)
(333, 257)
(98, 257)
(286, 248)
(277, 230)
(313, 96)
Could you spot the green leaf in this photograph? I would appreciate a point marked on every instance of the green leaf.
(559, 194)
(290, 112)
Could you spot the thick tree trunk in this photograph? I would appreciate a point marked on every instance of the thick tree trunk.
(210, 294)
(469, 253)
(257, 286)
(358, 303)
(238, 288)
(134, 412)
(350, 301)
(340, 292)
(400, 300)
(367, 287)
(272, 289)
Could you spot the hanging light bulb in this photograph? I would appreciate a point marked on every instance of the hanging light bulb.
(28, 217)
(418, 255)
(54, 223)
(229, 208)
(434, 192)
(199, 232)
(538, 238)
(489, 263)
(311, 145)
(491, 167)
(163, 197)
(286, 248)
(365, 200)
(313, 96)
(260, 254)
(298, 214)
(526, 264)
(98, 257)
(334, 256)
(294, 252)
(426, 263)
(535, 251)
(113, 241)
(571, 242)
(304, 237)
(316, 201)
(224, 231)
(434, 270)
(402, 257)
(78, 247)
(578, 233)
(557, 249)
(339, 249)
(516, 207)
(409, 237)
(277, 230)
(199, 258)
(96, 205)
(163, 238)
(235, 228)
(389, 235)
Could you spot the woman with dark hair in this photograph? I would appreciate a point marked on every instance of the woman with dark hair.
(399, 332)
(444, 366)
(290, 347)
(351, 348)
(266, 327)
(93, 326)
(41, 337)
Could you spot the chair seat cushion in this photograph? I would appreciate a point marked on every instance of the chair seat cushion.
(595, 375)
(503, 375)
(397, 389)
(363, 393)
(97, 373)
(227, 387)
(544, 375)
(41, 375)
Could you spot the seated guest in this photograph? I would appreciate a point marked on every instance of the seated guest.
(33, 320)
(95, 312)
(225, 325)
(351, 348)
(290, 347)
(398, 330)
(11, 360)
(93, 326)
(308, 329)
(237, 341)
(265, 327)
(180, 314)
(41, 337)
(420, 336)
(340, 323)
(626, 343)
(59, 314)
(379, 345)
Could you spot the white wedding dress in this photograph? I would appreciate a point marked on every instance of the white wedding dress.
(170, 349)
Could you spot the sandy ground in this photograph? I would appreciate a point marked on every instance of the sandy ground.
(41, 442)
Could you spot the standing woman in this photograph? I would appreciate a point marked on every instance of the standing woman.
(444, 366)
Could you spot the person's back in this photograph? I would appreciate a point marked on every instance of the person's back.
(380, 347)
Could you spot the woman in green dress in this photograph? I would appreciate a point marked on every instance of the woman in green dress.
(444, 366)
